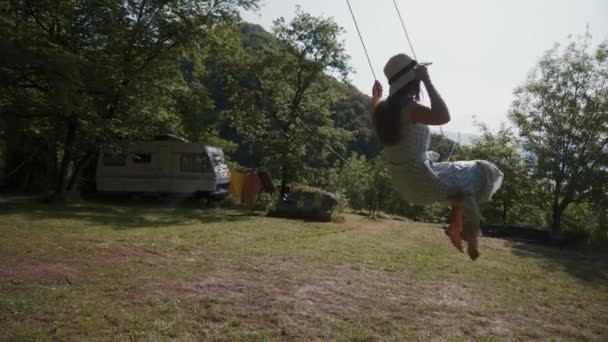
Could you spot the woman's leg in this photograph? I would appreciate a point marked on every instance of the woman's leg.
(455, 229)
(470, 233)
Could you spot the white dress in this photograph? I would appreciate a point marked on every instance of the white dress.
(422, 181)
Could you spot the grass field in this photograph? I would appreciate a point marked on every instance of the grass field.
(96, 271)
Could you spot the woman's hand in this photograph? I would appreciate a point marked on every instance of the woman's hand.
(422, 74)
(376, 93)
(438, 114)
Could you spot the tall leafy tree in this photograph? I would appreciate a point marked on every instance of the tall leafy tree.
(515, 201)
(561, 113)
(352, 111)
(209, 76)
(283, 111)
(80, 75)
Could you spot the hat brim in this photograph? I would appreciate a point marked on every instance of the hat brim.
(401, 82)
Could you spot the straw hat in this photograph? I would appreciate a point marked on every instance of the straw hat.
(399, 71)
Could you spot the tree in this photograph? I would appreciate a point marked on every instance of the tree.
(79, 75)
(283, 113)
(378, 196)
(208, 76)
(352, 111)
(514, 201)
(353, 180)
(367, 185)
(562, 116)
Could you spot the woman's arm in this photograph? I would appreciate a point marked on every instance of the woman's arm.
(438, 114)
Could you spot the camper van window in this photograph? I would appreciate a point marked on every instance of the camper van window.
(114, 159)
(142, 158)
(193, 162)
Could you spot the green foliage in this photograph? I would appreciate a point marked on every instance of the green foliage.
(515, 202)
(307, 189)
(208, 75)
(586, 220)
(284, 116)
(255, 37)
(561, 113)
(352, 112)
(367, 185)
(79, 75)
(352, 181)
(380, 186)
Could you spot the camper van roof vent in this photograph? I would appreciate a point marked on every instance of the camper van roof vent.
(169, 137)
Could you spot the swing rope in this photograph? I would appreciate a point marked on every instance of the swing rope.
(407, 36)
(409, 41)
(369, 61)
(306, 127)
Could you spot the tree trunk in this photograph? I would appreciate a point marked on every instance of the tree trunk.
(61, 188)
(556, 215)
(15, 155)
(556, 220)
(284, 176)
(78, 169)
(51, 160)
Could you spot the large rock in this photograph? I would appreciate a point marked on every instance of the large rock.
(307, 204)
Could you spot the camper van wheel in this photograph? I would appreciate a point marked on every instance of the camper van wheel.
(200, 195)
(134, 196)
(202, 198)
(163, 197)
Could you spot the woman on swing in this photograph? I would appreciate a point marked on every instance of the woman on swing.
(401, 124)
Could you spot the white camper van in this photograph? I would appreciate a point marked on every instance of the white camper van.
(168, 165)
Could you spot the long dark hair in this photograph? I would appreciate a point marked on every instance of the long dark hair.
(386, 118)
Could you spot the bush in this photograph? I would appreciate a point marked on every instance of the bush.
(584, 221)
(367, 185)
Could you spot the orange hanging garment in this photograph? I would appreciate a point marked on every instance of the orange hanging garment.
(251, 189)
(237, 181)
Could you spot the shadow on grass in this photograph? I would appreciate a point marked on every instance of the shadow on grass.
(586, 265)
(123, 213)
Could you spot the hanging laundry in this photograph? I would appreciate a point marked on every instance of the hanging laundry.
(237, 181)
(251, 189)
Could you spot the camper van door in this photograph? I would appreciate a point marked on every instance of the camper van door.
(165, 169)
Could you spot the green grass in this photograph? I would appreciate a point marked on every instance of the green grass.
(95, 271)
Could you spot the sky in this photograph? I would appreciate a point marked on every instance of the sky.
(480, 49)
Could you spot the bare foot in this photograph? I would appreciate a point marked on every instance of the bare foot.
(470, 235)
(473, 253)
